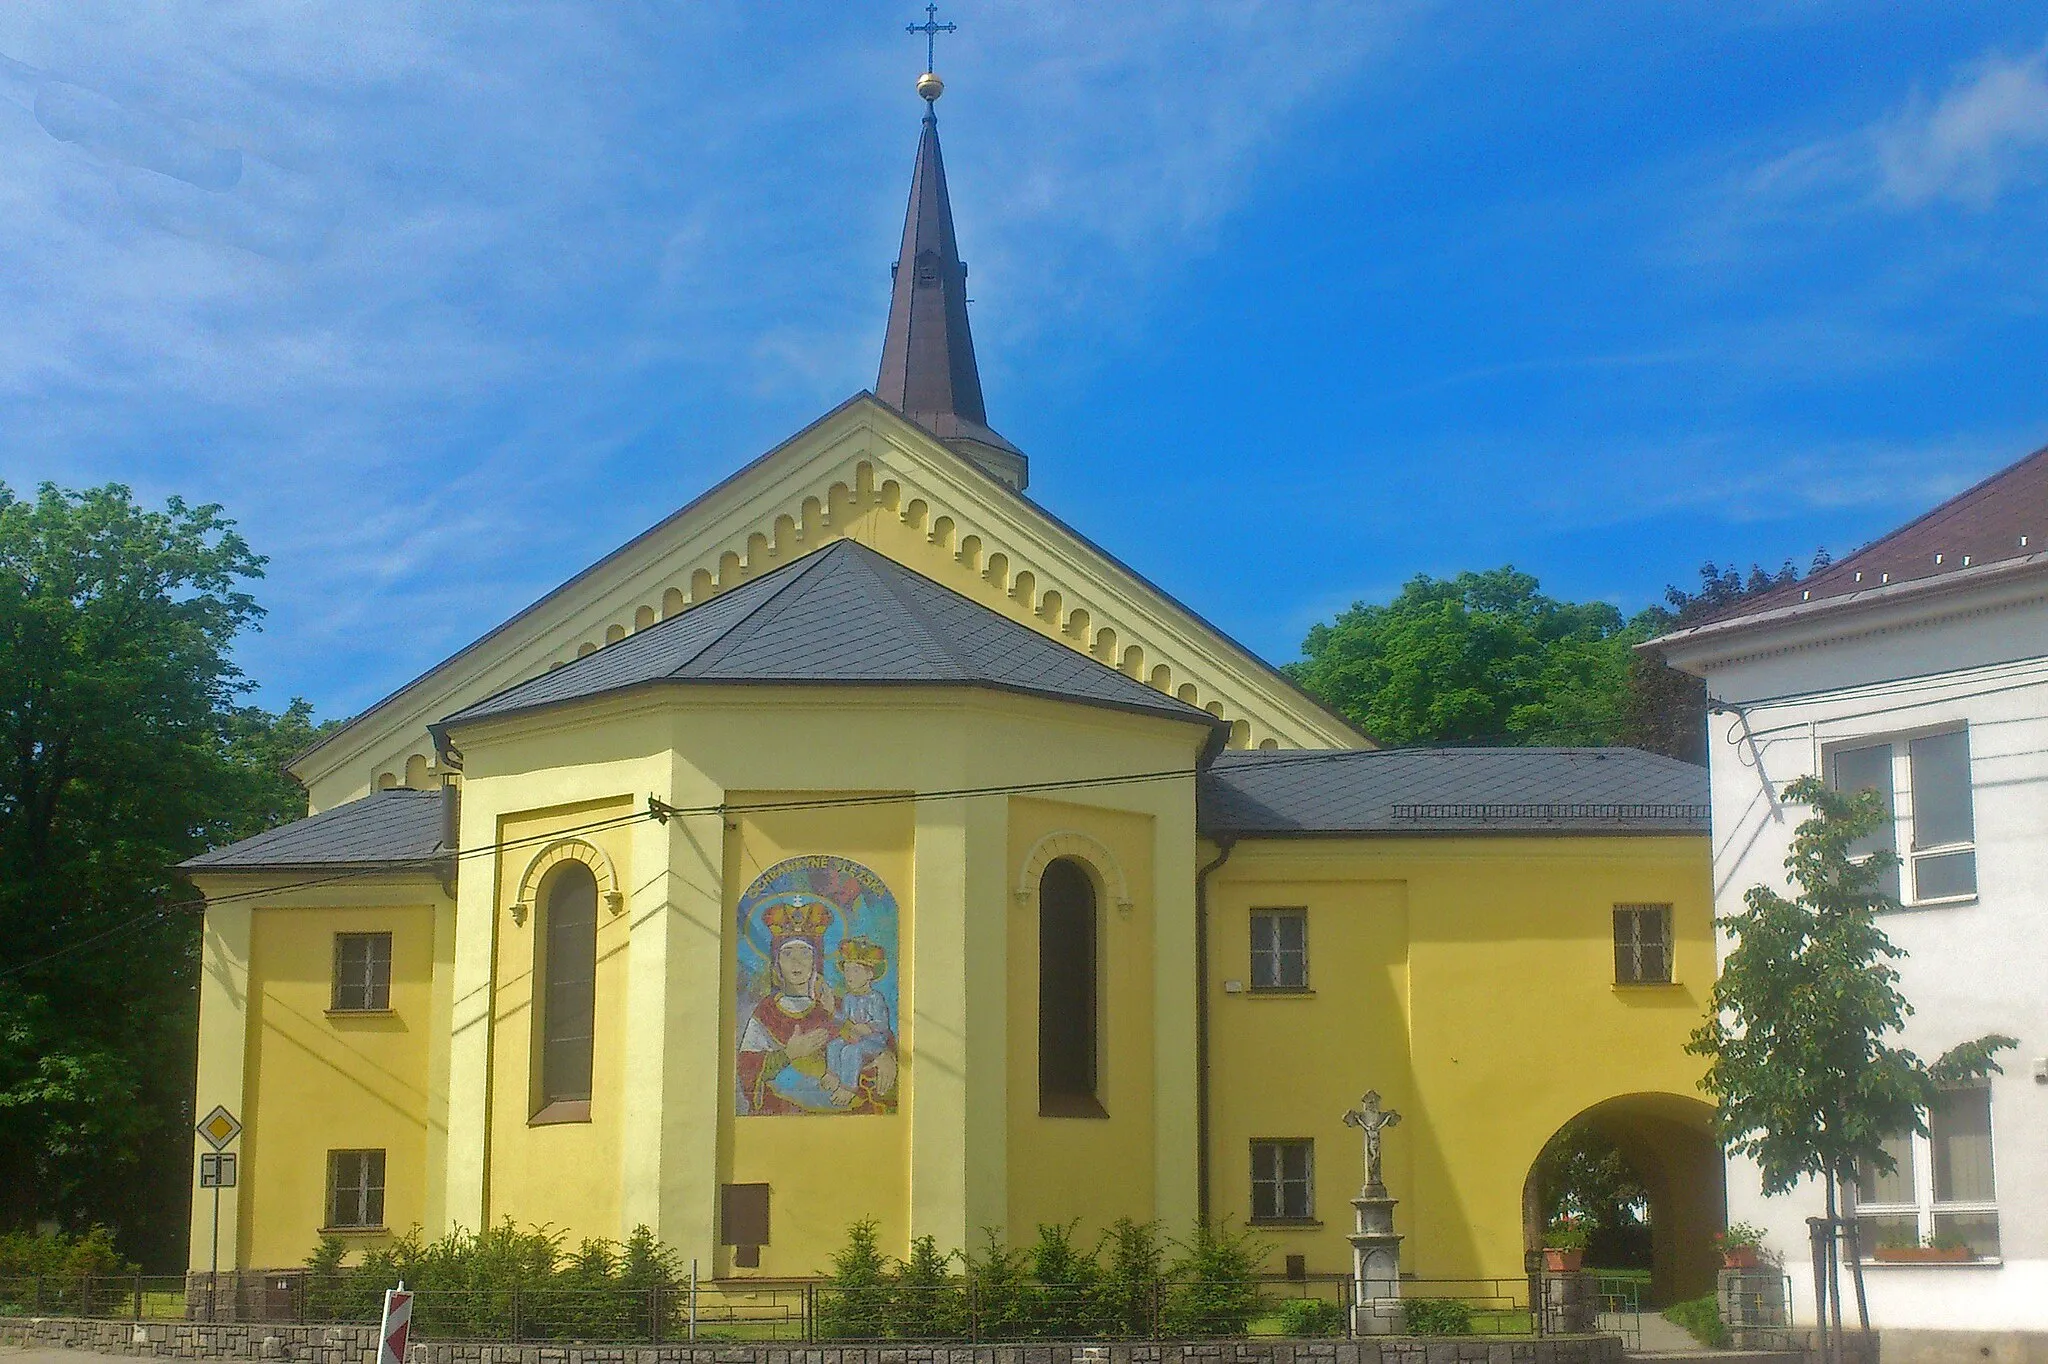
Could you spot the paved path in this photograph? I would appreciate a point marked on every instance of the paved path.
(15, 1356)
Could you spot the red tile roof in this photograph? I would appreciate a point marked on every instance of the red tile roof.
(2004, 517)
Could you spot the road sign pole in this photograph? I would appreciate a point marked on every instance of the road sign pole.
(213, 1278)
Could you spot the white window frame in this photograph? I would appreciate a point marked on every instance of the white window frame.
(1910, 856)
(1924, 1206)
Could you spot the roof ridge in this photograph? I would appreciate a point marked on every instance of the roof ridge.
(728, 639)
(915, 609)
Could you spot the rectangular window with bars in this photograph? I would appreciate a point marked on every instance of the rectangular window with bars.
(1642, 944)
(362, 973)
(1279, 949)
(355, 1189)
(1284, 1180)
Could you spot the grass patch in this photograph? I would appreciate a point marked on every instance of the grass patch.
(1702, 1318)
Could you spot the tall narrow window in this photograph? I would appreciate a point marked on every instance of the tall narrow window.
(1067, 997)
(1944, 827)
(362, 973)
(355, 1189)
(1642, 944)
(1283, 1181)
(1870, 769)
(569, 996)
(1279, 949)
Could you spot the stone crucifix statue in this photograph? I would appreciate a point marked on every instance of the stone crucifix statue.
(1370, 1119)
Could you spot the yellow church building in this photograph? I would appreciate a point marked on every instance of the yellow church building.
(863, 842)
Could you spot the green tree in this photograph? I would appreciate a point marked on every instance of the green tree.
(123, 750)
(1665, 710)
(1805, 1079)
(1478, 656)
(1581, 1174)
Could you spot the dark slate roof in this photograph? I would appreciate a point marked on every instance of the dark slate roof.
(395, 829)
(843, 614)
(2003, 518)
(1451, 790)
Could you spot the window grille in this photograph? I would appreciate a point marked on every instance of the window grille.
(1642, 944)
(362, 972)
(1279, 949)
(355, 1189)
(1283, 1180)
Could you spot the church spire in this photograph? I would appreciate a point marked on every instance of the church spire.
(928, 370)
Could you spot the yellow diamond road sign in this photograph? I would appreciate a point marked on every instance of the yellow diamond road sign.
(219, 1127)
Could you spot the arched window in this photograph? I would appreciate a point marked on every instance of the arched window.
(1068, 1001)
(568, 974)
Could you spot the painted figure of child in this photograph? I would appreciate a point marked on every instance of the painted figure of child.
(864, 1043)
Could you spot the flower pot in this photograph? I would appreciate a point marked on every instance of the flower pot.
(1922, 1255)
(1558, 1261)
(1741, 1257)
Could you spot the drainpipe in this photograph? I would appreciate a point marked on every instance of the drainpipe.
(1223, 845)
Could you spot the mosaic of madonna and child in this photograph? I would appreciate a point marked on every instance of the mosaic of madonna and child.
(817, 990)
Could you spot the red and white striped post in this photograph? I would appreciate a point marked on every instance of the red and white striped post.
(396, 1331)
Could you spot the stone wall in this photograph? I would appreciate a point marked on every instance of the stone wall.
(194, 1340)
(356, 1344)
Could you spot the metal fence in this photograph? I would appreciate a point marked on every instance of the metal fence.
(812, 1310)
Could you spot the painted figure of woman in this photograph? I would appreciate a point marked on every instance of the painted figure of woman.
(782, 1053)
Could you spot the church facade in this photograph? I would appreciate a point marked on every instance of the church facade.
(863, 842)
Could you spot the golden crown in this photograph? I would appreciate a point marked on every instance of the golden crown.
(869, 954)
(803, 919)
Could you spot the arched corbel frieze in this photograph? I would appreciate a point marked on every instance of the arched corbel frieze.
(1083, 848)
(569, 850)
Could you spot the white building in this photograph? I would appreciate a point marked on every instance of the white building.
(1918, 666)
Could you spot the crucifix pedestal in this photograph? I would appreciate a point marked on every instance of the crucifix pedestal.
(1375, 1248)
(1376, 1264)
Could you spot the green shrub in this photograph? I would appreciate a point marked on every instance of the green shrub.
(1435, 1317)
(1127, 1293)
(480, 1285)
(925, 1303)
(1312, 1317)
(855, 1306)
(1060, 1304)
(1213, 1285)
(998, 1281)
(1702, 1317)
(31, 1255)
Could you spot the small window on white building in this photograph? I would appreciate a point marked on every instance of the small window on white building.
(1942, 1193)
(1934, 832)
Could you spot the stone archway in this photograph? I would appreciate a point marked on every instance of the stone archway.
(1668, 1139)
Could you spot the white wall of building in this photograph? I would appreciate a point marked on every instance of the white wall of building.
(1972, 968)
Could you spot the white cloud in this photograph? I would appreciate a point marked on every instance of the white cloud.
(399, 282)
(1984, 134)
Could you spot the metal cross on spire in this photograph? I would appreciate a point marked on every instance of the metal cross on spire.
(931, 28)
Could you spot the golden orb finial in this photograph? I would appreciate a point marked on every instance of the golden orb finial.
(930, 87)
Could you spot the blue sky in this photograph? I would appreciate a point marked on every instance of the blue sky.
(1286, 302)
